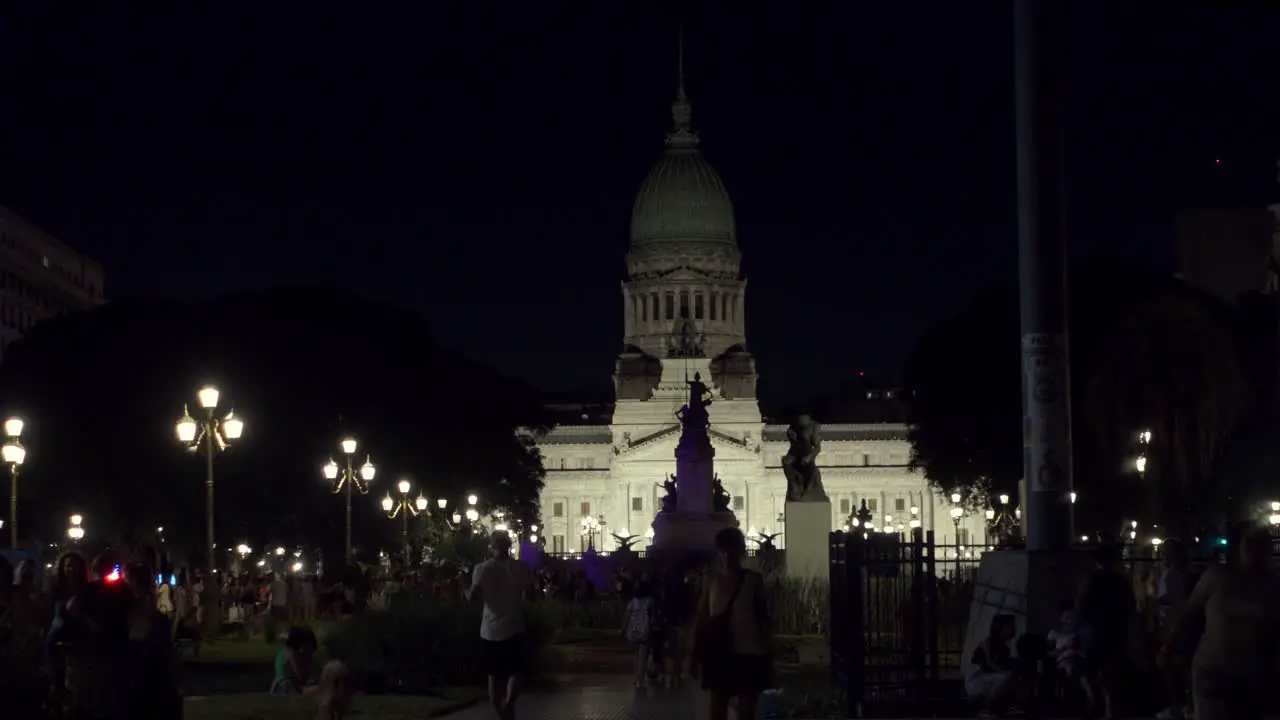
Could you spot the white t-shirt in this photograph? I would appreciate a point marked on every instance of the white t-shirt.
(279, 593)
(1172, 589)
(502, 583)
(1241, 619)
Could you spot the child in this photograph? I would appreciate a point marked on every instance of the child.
(638, 629)
(1065, 643)
(293, 662)
(334, 691)
(992, 679)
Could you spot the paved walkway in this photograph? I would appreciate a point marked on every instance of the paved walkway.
(600, 698)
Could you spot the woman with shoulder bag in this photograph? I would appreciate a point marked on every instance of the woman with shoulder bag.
(732, 634)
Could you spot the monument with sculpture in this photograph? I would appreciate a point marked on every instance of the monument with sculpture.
(808, 510)
(696, 506)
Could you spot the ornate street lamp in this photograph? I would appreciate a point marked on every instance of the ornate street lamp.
(213, 436)
(956, 514)
(14, 455)
(350, 480)
(75, 528)
(404, 508)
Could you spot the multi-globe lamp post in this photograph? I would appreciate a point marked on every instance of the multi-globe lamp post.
(75, 527)
(957, 514)
(351, 480)
(404, 508)
(213, 436)
(14, 455)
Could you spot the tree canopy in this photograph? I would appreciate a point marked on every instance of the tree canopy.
(303, 367)
(1146, 353)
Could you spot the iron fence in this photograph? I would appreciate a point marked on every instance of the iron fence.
(899, 609)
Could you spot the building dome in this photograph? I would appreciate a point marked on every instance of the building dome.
(682, 199)
(682, 215)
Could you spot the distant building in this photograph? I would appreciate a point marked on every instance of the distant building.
(40, 278)
(685, 314)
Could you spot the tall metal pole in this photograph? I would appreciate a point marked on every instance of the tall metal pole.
(209, 450)
(351, 478)
(13, 506)
(404, 526)
(1042, 273)
(212, 597)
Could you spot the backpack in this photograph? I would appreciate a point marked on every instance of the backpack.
(639, 620)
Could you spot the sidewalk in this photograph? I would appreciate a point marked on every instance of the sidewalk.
(589, 697)
(600, 698)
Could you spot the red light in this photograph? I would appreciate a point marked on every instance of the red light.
(861, 373)
(1217, 161)
(114, 575)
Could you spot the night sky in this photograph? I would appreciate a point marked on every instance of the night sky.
(478, 160)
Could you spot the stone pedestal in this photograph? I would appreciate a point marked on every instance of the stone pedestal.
(805, 534)
(690, 532)
(695, 473)
(1030, 586)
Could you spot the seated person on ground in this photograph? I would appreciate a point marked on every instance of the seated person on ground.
(293, 662)
(992, 673)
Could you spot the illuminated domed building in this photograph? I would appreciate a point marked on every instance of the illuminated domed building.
(684, 313)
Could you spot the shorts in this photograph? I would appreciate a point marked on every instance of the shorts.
(982, 686)
(738, 675)
(1103, 649)
(504, 658)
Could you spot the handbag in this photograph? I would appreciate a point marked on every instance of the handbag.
(715, 641)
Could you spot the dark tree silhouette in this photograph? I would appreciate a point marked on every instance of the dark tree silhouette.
(101, 392)
(1140, 344)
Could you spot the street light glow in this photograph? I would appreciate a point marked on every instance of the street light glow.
(349, 446)
(421, 503)
(208, 396)
(14, 453)
(331, 470)
(77, 519)
(403, 486)
(186, 427)
(471, 499)
(387, 503)
(13, 427)
(232, 426)
(442, 503)
(367, 470)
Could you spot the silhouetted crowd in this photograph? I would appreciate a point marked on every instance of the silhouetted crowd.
(92, 645)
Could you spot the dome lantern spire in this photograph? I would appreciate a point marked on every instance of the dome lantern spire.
(682, 136)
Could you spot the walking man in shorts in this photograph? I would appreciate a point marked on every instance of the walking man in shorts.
(501, 583)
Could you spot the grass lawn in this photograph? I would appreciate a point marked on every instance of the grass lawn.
(260, 706)
(229, 651)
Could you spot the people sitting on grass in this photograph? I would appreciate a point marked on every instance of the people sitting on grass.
(993, 675)
(293, 662)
